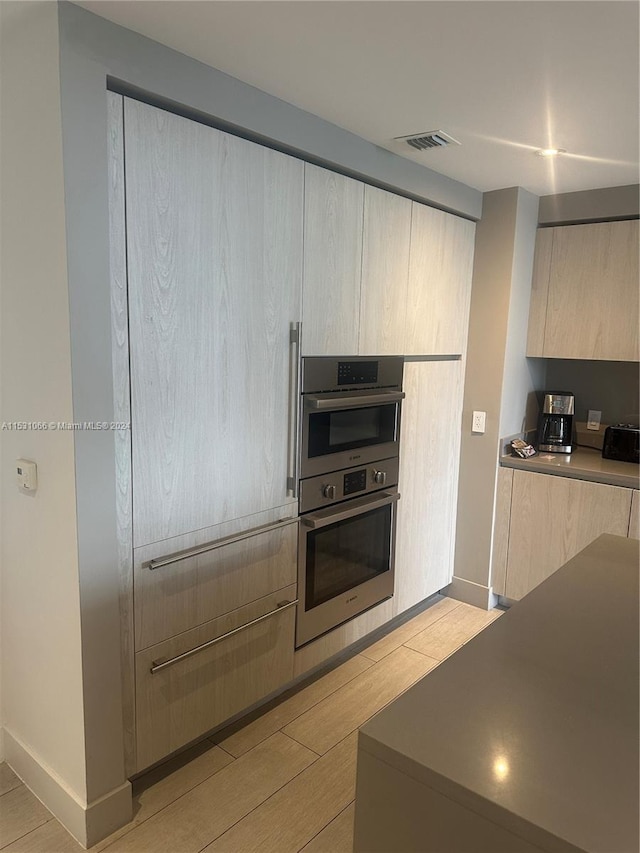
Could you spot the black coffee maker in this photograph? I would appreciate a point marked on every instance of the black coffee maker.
(555, 432)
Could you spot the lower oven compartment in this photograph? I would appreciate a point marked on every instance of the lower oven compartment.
(345, 561)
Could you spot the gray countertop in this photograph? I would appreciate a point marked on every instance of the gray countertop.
(534, 723)
(583, 464)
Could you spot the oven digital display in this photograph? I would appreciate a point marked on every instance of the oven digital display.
(357, 372)
(356, 481)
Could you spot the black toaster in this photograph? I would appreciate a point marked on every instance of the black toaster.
(622, 442)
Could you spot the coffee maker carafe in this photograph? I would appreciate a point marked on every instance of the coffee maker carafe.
(555, 434)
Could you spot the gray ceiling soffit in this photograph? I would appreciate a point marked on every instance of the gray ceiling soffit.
(150, 67)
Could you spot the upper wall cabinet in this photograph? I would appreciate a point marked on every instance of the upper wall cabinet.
(440, 272)
(214, 240)
(382, 274)
(333, 211)
(385, 272)
(584, 298)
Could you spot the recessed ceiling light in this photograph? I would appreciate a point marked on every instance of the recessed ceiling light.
(551, 152)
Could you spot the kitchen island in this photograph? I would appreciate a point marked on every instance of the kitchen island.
(526, 739)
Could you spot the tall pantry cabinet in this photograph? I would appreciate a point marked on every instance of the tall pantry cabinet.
(212, 226)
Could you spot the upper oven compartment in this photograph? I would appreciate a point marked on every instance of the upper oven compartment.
(350, 412)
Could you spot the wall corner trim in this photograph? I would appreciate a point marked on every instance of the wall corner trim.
(471, 593)
(87, 822)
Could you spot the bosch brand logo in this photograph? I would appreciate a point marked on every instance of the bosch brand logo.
(349, 600)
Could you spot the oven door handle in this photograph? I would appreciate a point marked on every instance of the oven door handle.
(349, 401)
(342, 512)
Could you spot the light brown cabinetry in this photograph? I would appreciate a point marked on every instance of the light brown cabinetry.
(428, 482)
(382, 274)
(551, 519)
(439, 290)
(584, 299)
(385, 272)
(502, 518)
(215, 272)
(214, 632)
(209, 581)
(213, 232)
(634, 518)
(214, 239)
(333, 210)
(187, 685)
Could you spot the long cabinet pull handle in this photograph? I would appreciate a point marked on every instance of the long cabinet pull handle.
(381, 398)
(219, 543)
(158, 665)
(295, 330)
(331, 515)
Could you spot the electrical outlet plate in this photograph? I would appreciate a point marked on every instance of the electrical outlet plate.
(478, 422)
(593, 419)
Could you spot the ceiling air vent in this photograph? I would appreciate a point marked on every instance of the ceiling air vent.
(428, 139)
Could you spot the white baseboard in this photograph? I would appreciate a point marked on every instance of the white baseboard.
(471, 593)
(87, 822)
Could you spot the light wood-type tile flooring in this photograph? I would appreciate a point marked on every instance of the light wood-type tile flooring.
(282, 781)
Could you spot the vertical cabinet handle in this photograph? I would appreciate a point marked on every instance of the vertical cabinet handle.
(293, 474)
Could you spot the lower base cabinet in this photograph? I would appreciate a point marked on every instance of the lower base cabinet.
(552, 519)
(189, 684)
(634, 521)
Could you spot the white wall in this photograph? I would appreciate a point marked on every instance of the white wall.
(41, 653)
(499, 379)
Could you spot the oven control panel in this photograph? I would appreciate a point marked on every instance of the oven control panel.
(357, 373)
(354, 481)
(327, 489)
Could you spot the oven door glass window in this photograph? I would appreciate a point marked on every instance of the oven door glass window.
(345, 554)
(348, 429)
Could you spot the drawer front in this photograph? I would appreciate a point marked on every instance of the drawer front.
(181, 594)
(207, 684)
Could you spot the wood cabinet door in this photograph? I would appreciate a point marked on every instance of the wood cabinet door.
(192, 683)
(428, 483)
(539, 291)
(333, 209)
(385, 272)
(204, 585)
(634, 518)
(592, 304)
(552, 518)
(501, 521)
(439, 290)
(214, 239)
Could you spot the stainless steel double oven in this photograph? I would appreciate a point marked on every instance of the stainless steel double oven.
(349, 439)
